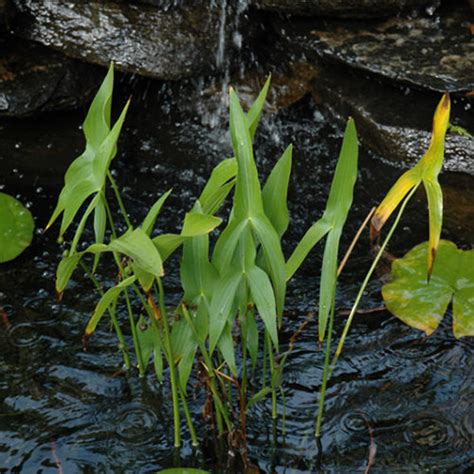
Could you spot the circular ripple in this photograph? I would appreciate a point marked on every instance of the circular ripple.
(354, 422)
(427, 431)
(133, 423)
(24, 335)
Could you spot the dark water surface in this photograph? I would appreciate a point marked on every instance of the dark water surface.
(408, 396)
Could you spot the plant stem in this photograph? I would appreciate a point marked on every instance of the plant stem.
(169, 349)
(119, 198)
(189, 420)
(221, 411)
(113, 316)
(322, 393)
(82, 224)
(138, 352)
(367, 278)
(272, 376)
(264, 365)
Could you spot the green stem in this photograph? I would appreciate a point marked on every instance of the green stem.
(82, 224)
(264, 365)
(189, 420)
(322, 393)
(272, 376)
(221, 411)
(367, 279)
(113, 317)
(169, 349)
(119, 198)
(138, 352)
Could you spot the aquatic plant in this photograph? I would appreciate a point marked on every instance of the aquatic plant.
(226, 291)
(16, 227)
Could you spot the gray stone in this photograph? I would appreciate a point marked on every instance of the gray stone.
(397, 126)
(34, 79)
(166, 43)
(343, 8)
(434, 53)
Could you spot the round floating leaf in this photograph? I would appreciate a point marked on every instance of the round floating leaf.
(16, 227)
(422, 304)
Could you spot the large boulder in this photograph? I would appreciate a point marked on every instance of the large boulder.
(396, 125)
(427, 52)
(34, 79)
(182, 39)
(344, 8)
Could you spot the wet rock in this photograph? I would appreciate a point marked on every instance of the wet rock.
(169, 42)
(344, 8)
(34, 79)
(434, 52)
(396, 125)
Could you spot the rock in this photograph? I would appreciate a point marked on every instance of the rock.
(168, 43)
(396, 125)
(434, 53)
(344, 8)
(34, 79)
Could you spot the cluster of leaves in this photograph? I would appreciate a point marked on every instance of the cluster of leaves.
(238, 282)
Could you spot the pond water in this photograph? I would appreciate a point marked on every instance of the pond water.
(395, 391)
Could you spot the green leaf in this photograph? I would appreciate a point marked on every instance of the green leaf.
(435, 213)
(199, 224)
(100, 221)
(274, 259)
(226, 348)
(258, 397)
(251, 335)
(226, 245)
(221, 306)
(105, 301)
(138, 246)
(422, 304)
(218, 186)
(264, 298)
(327, 286)
(149, 342)
(167, 244)
(275, 193)
(184, 349)
(16, 228)
(248, 198)
(65, 270)
(150, 219)
(87, 174)
(253, 115)
(312, 236)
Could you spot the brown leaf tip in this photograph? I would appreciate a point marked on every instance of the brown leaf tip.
(446, 100)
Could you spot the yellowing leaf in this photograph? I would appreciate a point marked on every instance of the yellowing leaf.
(425, 171)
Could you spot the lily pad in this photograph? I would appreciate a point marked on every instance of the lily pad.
(422, 304)
(16, 227)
